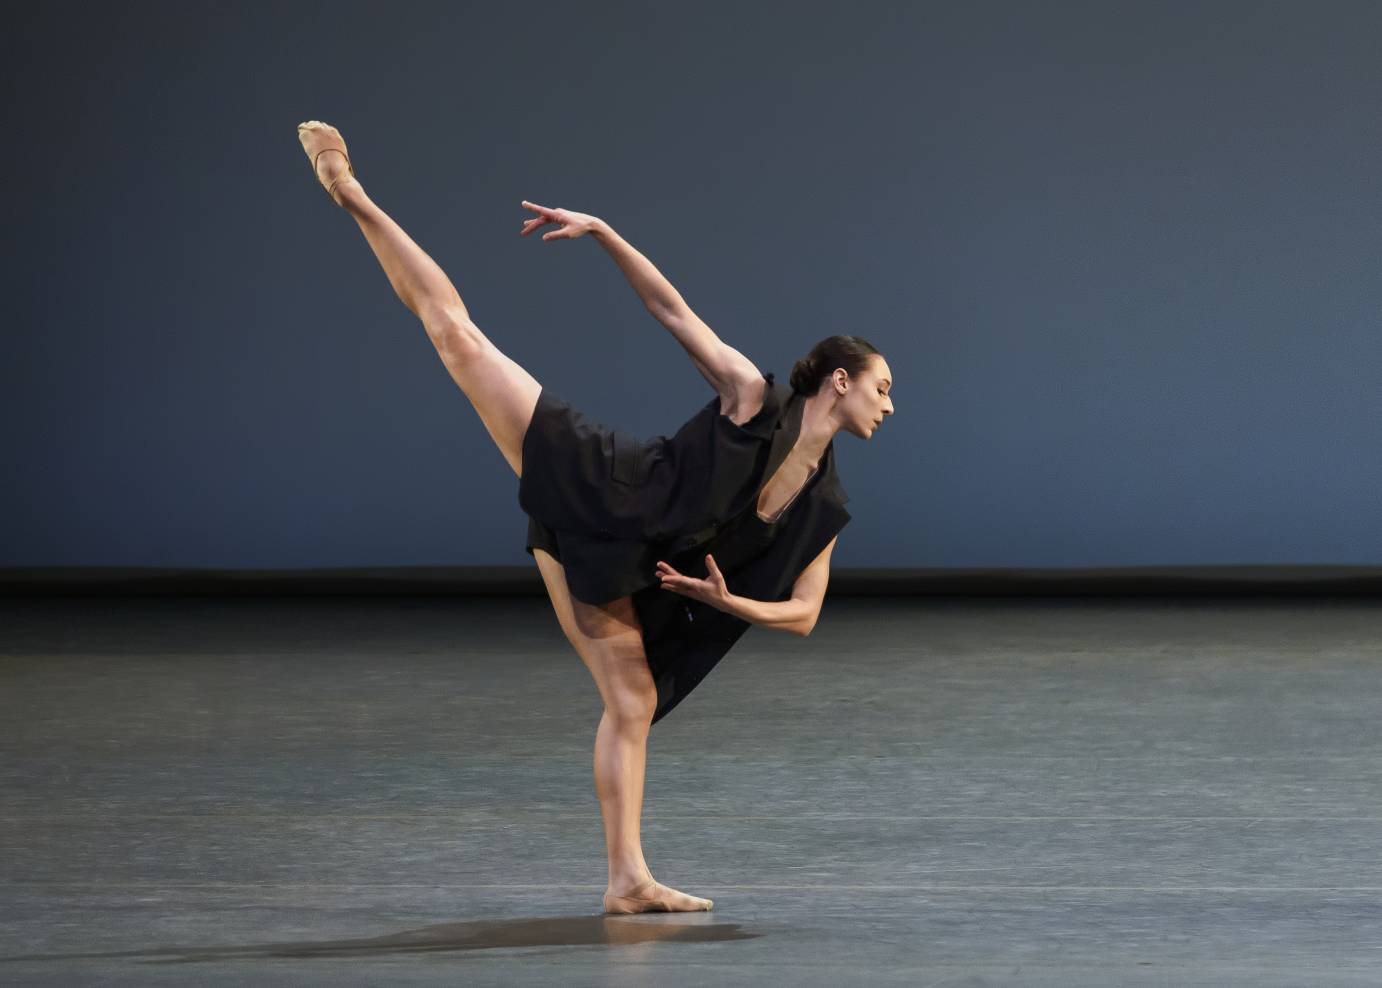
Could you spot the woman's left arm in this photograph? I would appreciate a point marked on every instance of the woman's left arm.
(797, 614)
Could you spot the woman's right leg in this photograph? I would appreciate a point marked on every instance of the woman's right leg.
(609, 641)
(502, 392)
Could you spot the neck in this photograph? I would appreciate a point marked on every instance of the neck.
(818, 425)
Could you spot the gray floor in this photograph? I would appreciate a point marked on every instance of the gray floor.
(924, 792)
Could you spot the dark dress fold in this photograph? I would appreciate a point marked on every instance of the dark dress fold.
(609, 506)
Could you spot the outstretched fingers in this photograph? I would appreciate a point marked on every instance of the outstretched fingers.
(543, 217)
(671, 579)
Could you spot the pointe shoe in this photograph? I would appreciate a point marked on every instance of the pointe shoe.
(336, 143)
(622, 904)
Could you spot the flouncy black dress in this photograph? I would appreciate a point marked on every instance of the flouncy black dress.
(609, 506)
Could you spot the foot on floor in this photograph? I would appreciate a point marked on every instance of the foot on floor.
(654, 897)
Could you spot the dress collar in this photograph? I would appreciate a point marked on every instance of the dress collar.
(785, 435)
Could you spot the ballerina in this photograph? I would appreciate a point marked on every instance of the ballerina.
(643, 655)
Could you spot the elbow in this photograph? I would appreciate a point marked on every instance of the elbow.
(804, 630)
(667, 309)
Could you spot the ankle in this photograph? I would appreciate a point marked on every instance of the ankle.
(349, 192)
(625, 881)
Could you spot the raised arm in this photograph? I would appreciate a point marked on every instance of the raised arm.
(729, 372)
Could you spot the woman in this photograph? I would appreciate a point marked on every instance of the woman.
(638, 542)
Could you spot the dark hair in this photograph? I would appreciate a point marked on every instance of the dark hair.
(850, 352)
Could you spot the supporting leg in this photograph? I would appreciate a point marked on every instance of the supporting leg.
(609, 640)
(621, 759)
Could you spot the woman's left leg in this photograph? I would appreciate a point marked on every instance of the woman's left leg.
(609, 640)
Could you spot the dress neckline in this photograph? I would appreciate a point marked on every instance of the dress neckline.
(782, 511)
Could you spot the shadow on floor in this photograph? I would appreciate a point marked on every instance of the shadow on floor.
(556, 931)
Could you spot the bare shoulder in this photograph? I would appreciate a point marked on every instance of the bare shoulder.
(743, 388)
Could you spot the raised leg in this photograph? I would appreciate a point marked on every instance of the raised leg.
(502, 392)
(609, 640)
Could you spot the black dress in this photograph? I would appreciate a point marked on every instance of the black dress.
(609, 506)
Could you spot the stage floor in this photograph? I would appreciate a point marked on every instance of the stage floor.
(1052, 792)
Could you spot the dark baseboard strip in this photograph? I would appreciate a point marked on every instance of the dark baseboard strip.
(522, 580)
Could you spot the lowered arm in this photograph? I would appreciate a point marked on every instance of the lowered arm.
(799, 613)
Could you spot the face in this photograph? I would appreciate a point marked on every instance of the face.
(868, 400)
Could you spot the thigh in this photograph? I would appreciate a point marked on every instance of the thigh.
(502, 392)
(609, 640)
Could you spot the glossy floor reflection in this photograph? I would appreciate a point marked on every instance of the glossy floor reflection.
(925, 791)
(552, 931)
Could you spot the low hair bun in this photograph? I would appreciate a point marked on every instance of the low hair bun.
(849, 352)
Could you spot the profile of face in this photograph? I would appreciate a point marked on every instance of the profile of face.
(867, 396)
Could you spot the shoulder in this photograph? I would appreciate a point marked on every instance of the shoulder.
(744, 398)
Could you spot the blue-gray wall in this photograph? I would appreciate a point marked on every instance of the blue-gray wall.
(1122, 258)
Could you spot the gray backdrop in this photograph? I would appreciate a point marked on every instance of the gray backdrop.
(1122, 259)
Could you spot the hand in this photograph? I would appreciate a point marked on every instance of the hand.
(711, 590)
(573, 225)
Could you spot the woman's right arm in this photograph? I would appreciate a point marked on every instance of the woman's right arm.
(724, 368)
(727, 370)
(648, 282)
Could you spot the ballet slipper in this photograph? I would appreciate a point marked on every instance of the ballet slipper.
(337, 143)
(622, 904)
